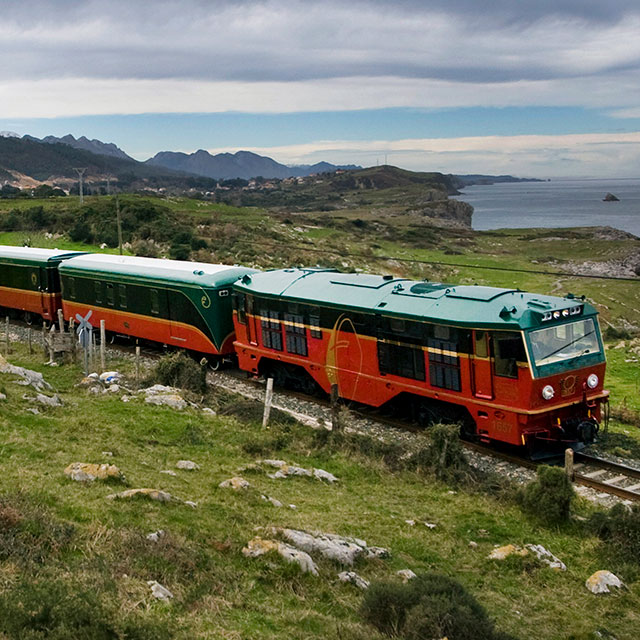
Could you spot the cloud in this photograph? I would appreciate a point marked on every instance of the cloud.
(528, 155)
(86, 96)
(294, 40)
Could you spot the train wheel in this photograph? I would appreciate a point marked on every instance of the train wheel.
(28, 317)
(214, 363)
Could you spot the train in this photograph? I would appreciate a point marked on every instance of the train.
(511, 367)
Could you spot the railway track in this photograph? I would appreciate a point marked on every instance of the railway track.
(599, 474)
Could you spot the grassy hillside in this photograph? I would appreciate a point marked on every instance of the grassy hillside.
(83, 561)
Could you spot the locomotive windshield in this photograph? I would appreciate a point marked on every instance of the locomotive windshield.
(565, 341)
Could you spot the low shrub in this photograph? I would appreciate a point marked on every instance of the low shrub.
(429, 606)
(615, 333)
(179, 370)
(549, 496)
(58, 610)
(620, 526)
(445, 454)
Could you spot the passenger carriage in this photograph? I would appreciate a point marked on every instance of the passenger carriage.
(510, 366)
(177, 303)
(29, 280)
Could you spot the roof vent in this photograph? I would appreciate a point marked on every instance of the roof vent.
(198, 272)
(387, 277)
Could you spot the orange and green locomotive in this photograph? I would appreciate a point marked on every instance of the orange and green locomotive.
(176, 303)
(509, 366)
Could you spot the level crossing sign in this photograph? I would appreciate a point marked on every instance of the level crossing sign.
(84, 332)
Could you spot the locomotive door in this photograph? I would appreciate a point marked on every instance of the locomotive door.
(252, 322)
(482, 375)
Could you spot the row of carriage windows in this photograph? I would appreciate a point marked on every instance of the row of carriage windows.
(286, 331)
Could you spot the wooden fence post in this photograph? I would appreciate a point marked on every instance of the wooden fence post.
(568, 463)
(335, 408)
(6, 336)
(61, 321)
(103, 340)
(137, 366)
(29, 340)
(268, 398)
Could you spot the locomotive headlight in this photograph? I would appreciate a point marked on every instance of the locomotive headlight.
(592, 381)
(556, 315)
(565, 313)
(548, 392)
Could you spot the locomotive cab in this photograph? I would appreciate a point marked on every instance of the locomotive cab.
(567, 361)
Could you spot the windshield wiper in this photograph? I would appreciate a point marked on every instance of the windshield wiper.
(564, 346)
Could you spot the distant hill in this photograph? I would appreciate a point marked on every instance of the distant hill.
(242, 164)
(475, 178)
(23, 159)
(83, 143)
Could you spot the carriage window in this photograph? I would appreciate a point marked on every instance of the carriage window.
(122, 290)
(110, 294)
(296, 334)
(508, 351)
(314, 323)
(97, 287)
(399, 360)
(441, 333)
(271, 330)
(72, 288)
(397, 325)
(155, 302)
(444, 364)
(482, 344)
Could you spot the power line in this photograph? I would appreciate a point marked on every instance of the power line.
(438, 263)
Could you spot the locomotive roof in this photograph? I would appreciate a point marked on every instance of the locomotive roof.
(179, 271)
(462, 305)
(31, 254)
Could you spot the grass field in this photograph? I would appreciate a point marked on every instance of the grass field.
(81, 555)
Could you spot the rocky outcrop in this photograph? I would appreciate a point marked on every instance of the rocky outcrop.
(610, 198)
(445, 213)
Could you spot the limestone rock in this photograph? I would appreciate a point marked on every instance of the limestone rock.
(88, 472)
(151, 494)
(208, 411)
(28, 376)
(2, 397)
(600, 582)
(406, 575)
(500, 553)
(49, 401)
(341, 549)
(236, 483)
(273, 501)
(187, 465)
(172, 400)
(158, 591)
(546, 557)
(258, 547)
(353, 578)
(169, 472)
(321, 474)
(473, 544)
(156, 535)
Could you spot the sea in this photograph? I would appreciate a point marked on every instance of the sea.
(555, 203)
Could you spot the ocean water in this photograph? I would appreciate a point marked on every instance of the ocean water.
(559, 203)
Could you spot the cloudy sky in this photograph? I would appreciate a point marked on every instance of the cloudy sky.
(542, 88)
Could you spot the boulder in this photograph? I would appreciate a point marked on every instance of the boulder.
(405, 575)
(158, 591)
(187, 465)
(610, 198)
(321, 474)
(353, 578)
(600, 582)
(28, 376)
(49, 401)
(340, 549)
(273, 501)
(88, 472)
(236, 483)
(545, 556)
(2, 397)
(172, 400)
(258, 547)
(500, 553)
(156, 535)
(151, 494)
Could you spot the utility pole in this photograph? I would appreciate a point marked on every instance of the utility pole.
(80, 171)
(119, 225)
(108, 185)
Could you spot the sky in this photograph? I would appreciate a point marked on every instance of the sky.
(535, 89)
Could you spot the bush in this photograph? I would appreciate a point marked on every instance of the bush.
(58, 611)
(620, 527)
(179, 370)
(613, 333)
(549, 497)
(429, 606)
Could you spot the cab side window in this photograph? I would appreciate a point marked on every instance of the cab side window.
(508, 351)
